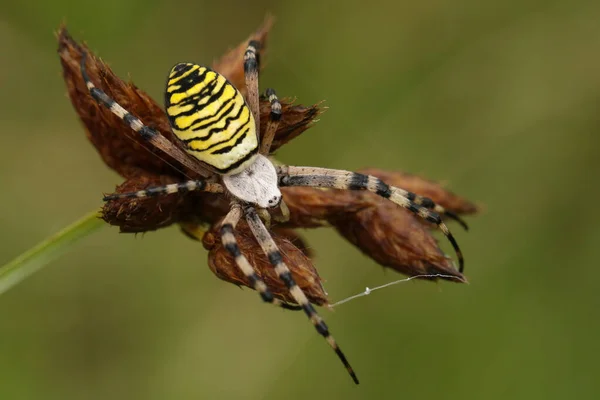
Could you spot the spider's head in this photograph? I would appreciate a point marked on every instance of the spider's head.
(257, 184)
(274, 201)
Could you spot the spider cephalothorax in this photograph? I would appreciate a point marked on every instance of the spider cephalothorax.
(218, 137)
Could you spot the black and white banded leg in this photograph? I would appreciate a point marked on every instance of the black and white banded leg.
(183, 187)
(274, 118)
(338, 179)
(148, 134)
(230, 243)
(270, 249)
(251, 66)
(436, 208)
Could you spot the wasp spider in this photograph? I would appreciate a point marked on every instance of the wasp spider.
(218, 130)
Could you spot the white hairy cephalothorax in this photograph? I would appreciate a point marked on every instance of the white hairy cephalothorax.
(257, 184)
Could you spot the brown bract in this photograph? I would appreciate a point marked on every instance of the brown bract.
(292, 249)
(383, 231)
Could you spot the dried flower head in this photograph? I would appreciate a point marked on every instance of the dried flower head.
(216, 159)
(390, 235)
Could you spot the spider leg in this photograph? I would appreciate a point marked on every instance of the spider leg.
(230, 243)
(270, 249)
(338, 179)
(150, 135)
(251, 66)
(274, 118)
(189, 186)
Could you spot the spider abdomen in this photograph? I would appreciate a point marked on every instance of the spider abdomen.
(211, 117)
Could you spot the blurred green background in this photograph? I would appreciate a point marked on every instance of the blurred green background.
(499, 99)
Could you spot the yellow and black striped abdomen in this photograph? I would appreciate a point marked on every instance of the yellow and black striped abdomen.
(211, 117)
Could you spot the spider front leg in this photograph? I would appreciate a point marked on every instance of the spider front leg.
(230, 243)
(269, 247)
(338, 179)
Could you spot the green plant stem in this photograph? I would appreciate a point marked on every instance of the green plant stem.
(39, 256)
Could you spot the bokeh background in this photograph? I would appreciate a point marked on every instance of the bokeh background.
(498, 99)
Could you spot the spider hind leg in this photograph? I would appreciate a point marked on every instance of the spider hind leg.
(269, 247)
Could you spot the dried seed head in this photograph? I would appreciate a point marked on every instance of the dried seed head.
(385, 232)
(303, 271)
